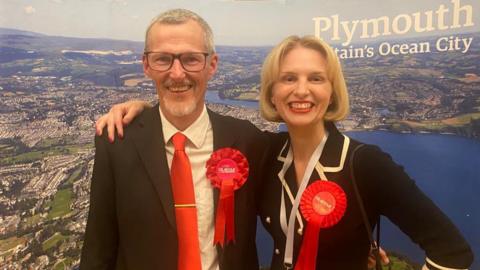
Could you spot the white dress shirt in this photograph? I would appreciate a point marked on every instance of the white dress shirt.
(198, 147)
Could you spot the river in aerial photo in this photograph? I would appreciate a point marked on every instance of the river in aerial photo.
(445, 167)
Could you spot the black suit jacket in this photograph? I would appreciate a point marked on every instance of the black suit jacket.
(131, 222)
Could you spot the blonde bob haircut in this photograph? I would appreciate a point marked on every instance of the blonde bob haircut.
(337, 110)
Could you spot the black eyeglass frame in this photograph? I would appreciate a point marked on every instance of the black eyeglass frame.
(177, 56)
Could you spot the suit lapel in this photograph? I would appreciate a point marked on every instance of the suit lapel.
(148, 139)
(223, 136)
(335, 150)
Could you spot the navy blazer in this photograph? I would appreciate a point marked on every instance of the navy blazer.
(385, 189)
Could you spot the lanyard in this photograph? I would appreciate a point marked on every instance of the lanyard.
(289, 228)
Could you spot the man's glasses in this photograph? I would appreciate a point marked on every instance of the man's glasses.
(190, 61)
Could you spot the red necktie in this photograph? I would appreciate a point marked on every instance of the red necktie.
(185, 209)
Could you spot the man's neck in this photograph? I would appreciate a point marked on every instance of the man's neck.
(182, 122)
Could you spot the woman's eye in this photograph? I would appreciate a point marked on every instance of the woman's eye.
(288, 79)
(317, 79)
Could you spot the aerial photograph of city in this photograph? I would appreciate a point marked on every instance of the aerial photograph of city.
(423, 107)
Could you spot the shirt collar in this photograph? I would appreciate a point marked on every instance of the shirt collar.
(196, 132)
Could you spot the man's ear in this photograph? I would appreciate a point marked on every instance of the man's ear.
(146, 68)
(212, 65)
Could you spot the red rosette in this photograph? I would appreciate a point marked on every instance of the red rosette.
(227, 169)
(323, 204)
(218, 167)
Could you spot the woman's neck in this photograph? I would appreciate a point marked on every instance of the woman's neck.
(303, 143)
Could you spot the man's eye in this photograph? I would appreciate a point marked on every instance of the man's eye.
(162, 59)
(190, 59)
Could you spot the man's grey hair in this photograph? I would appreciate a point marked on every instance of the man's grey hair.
(179, 16)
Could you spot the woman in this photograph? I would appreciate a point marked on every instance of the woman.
(302, 85)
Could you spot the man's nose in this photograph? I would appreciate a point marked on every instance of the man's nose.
(177, 71)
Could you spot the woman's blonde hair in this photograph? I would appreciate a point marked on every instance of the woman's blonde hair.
(337, 110)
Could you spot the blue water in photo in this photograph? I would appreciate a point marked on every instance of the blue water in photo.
(212, 97)
(445, 167)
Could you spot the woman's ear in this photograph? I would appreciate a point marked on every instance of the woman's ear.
(270, 93)
(332, 98)
(272, 100)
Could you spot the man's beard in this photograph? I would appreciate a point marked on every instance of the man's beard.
(179, 108)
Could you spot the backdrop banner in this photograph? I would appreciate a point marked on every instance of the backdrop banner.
(412, 70)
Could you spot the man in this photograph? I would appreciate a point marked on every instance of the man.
(135, 219)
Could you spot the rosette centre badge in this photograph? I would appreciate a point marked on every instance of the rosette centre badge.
(323, 203)
(226, 169)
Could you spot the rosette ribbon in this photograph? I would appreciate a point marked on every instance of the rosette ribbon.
(227, 169)
(323, 204)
